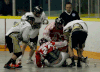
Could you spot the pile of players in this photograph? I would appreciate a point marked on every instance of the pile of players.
(57, 43)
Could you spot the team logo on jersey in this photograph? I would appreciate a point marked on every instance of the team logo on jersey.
(73, 14)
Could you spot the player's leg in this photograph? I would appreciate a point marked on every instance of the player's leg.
(11, 62)
(13, 46)
(64, 49)
(56, 58)
(80, 57)
(79, 52)
(10, 47)
(24, 45)
(81, 37)
(30, 56)
(72, 44)
(32, 49)
(64, 57)
(83, 59)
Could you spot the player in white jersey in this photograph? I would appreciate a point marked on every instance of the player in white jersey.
(19, 32)
(77, 31)
(40, 18)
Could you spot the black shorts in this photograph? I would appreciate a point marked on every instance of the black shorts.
(78, 38)
(13, 44)
(52, 56)
(9, 43)
(34, 40)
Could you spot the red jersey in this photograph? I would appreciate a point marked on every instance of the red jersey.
(43, 50)
(51, 33)
(47, 47)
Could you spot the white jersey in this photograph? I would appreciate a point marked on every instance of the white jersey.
(23, 28)
(72, 23)
(38, 22)
(37, 19)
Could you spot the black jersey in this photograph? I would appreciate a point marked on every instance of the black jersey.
(69, 17)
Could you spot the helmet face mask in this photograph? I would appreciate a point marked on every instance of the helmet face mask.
(38, 11)
(43, 40)
(37, 14)
(59, 26)
(59, 22)
(30, 19)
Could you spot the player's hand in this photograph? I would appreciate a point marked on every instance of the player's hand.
(45, 21)
(19, 36)
(31, 45)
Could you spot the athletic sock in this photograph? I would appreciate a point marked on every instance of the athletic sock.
(79, 59)
(14, 62)
(72, 58)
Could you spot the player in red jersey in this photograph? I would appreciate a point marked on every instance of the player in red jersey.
(49, 51)
(54, 31)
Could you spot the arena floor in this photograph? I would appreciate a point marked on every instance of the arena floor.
(5, 56)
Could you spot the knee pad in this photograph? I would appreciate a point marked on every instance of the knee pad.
(18, 54)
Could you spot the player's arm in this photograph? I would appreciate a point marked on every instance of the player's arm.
(23, 18)
(46, 34)
(68, 27)
(25, 34)
(44, 19)
(26, 37)
(60, 44)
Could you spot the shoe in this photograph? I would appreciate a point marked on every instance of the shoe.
(72, 64)
(79, 65)
(16, 66)
(19, 62)
(65, 64)
(7, 66)
(30, 61)
(84, 59)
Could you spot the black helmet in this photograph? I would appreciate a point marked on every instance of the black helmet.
(38, 9)
(30, 18)
(43, 40)
(59, 21)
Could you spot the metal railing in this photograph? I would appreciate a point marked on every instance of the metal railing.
(85, 8)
